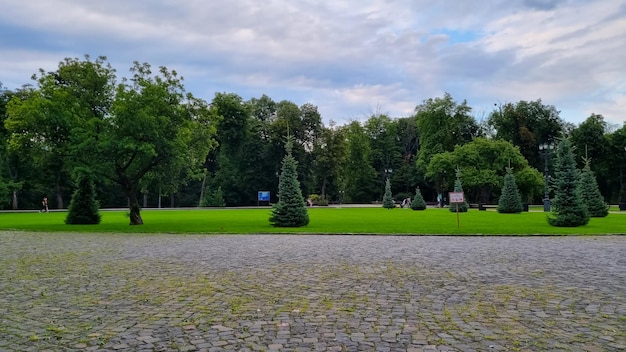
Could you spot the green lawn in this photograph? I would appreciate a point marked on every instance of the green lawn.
(323, 221)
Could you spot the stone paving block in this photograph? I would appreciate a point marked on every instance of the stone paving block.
(306, 292)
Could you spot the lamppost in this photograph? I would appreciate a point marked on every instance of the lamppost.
(388, 172)
(441, 197)
(545, 149)
(620, 199)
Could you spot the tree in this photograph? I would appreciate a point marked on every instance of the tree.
(591, 192)
(458, 187)
(484, 164)
(329, 155)
(590, 140)
(442, 124)
(45, 122)
(510, 200)
(290, 211)
(83, 208)
(153, 126)
(233, 132)
(388, 201)
(527, 124)
(386, 151)
(359, 174)
(568, 207)
(418, 202)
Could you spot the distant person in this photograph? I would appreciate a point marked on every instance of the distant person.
(309, 202)
(44, 205)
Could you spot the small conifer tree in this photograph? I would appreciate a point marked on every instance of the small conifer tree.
(388, 198)
(418, 202)
(510, 201)
(83, 208)
(591, 192)
(568, 207)
(458, 187)
(290, 211)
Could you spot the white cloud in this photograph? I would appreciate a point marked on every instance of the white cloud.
(346, 56)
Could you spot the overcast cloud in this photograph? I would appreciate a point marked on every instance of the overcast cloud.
(349, 57)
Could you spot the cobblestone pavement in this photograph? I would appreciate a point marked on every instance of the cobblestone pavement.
(65, 292)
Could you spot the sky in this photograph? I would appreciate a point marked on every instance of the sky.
(350, 58)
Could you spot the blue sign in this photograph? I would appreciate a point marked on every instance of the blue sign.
(264, 196)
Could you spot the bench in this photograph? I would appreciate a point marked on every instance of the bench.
(483, 207)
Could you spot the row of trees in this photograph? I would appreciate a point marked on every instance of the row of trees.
(145, 135)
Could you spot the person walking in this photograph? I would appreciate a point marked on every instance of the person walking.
(44, 205)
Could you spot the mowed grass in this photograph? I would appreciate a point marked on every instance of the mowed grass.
(323, 220)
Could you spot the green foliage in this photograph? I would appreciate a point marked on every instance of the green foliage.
(526, 124)
(568, 207)
(418, 202)
(484, 162)
(443, 124)
(214, 198)
(290, 211)
(510, 200)
(388, 201)
(591, 193)
(458, 187)
(359, 173)
(83, 208)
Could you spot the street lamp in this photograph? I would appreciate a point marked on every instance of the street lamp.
(388, 172)
(545, 149)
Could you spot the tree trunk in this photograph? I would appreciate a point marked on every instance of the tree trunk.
(172, 197)
(145, 200)
(202, 189)
(59, 191)
(135, 216)
(324, 188)
(14, 200)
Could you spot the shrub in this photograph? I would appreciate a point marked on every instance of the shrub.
(388, 201)
(510, 200)
(418, 202)
(84, 208)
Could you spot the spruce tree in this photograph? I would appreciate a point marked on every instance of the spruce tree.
(418, 202)
(510, 200)
(591, 192)
(83, 208)
(568, 208)
(290, 211)
(458, 187)
(388, 198)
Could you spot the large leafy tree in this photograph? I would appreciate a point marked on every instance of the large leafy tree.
(616, 158)
(443, 124)
(484, 162)
(233, 132)
(568, 207)
(153, 126)
(527, 124)
(386, 151)
(45, 121)
(329, 155)
(359, 173)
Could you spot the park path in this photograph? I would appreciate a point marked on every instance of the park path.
(113, 292)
